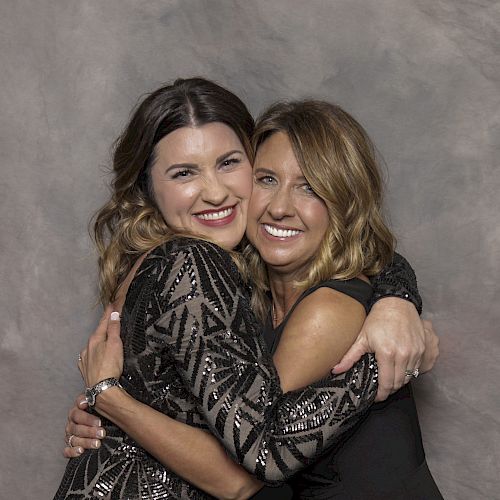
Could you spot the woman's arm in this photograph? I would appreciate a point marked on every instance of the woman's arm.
(214, 339)
(393, 329)
(397, 279)
(190, 452)
(207, 326)
(303, 356)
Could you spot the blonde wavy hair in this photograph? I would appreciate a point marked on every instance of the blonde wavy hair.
(339, 162)
(130, 223)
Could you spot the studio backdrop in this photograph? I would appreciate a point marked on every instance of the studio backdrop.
(421, 75)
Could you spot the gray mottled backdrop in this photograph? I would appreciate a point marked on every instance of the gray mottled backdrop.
(422, 75)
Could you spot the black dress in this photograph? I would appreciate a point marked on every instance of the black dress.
(381, 457)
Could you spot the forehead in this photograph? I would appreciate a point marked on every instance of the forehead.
(194, 144)
(276, 153)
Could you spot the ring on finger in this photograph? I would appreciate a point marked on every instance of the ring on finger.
(412, 373)
(69, 440)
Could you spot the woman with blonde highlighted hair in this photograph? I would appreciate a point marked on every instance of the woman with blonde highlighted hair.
(190, 356)
(315, 221)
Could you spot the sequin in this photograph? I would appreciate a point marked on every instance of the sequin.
(193, 350)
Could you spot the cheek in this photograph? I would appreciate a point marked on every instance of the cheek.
(258, 203)
(317, 214)
(174, 202)
(240, 183)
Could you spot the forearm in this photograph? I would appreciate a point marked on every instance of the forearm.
(191, 453)
(398, 280)
(218, 351)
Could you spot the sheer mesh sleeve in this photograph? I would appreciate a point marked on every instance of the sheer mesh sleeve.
(206, 325)
(397, 279)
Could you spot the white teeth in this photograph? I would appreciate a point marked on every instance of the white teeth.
(216, 215)
(280, 233)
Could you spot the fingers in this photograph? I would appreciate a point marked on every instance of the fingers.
(431, 347)
(352, 356)
(386, 375)
(83, 430)
(81, 417)
(100, 332)
(113, 330)
(402, 363)
(70, 452)
(81, 402)
(79, 445)
(81, 362)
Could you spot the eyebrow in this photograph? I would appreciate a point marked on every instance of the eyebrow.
(262, 170)
(194, 165)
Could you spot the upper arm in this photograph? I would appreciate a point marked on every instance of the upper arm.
(319, 332)
(205, 322)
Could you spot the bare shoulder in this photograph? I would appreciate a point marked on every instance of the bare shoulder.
(326, 309)
(318, 333)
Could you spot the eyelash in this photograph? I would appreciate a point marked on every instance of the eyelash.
(308, 189)
(262, 179)
(230, 161)
(181, 173)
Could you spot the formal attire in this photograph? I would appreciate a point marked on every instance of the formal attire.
(194, 351)
(381, 457)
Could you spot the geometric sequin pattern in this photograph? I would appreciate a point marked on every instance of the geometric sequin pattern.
(397, 280)
(194, 351)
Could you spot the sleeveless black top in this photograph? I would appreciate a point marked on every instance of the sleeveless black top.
(381, 457)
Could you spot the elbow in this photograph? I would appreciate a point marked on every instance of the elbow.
(241, 490)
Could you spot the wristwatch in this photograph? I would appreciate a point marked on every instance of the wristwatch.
(92, 392)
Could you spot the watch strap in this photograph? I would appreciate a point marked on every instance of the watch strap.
(91, 393)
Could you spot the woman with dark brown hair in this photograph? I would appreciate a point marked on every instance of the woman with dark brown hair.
(193, 353)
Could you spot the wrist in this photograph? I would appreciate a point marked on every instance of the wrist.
(112, 403)
(92, 392)
(392, 303)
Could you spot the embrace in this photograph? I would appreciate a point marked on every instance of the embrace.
(248, 277)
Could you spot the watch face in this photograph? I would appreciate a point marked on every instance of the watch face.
(90, 396)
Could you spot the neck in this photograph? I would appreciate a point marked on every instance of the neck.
(284, 295)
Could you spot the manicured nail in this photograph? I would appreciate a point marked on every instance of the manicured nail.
(82, 403)
(79, 450)
(96, 443)
(100, 433)
(115, 316)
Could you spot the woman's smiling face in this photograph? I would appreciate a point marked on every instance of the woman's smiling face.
(201, 181)
(287, 221)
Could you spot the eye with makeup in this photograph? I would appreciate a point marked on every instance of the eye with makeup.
(182, 173)
(229, 163)
(308, 189)
(265, 180)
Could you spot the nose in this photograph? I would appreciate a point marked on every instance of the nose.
(281, 204)
(215, 191)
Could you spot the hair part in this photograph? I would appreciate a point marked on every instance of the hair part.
(130, 223)
(338, 160)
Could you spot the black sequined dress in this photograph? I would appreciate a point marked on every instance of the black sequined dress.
(194, 351)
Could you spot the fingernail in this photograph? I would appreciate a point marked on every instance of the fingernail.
(98, 423)
(96, 443)
(115, 316)
(100, 433)
(79, 449)
(82, 403)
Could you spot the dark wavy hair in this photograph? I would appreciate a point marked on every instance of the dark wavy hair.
(130, 224)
